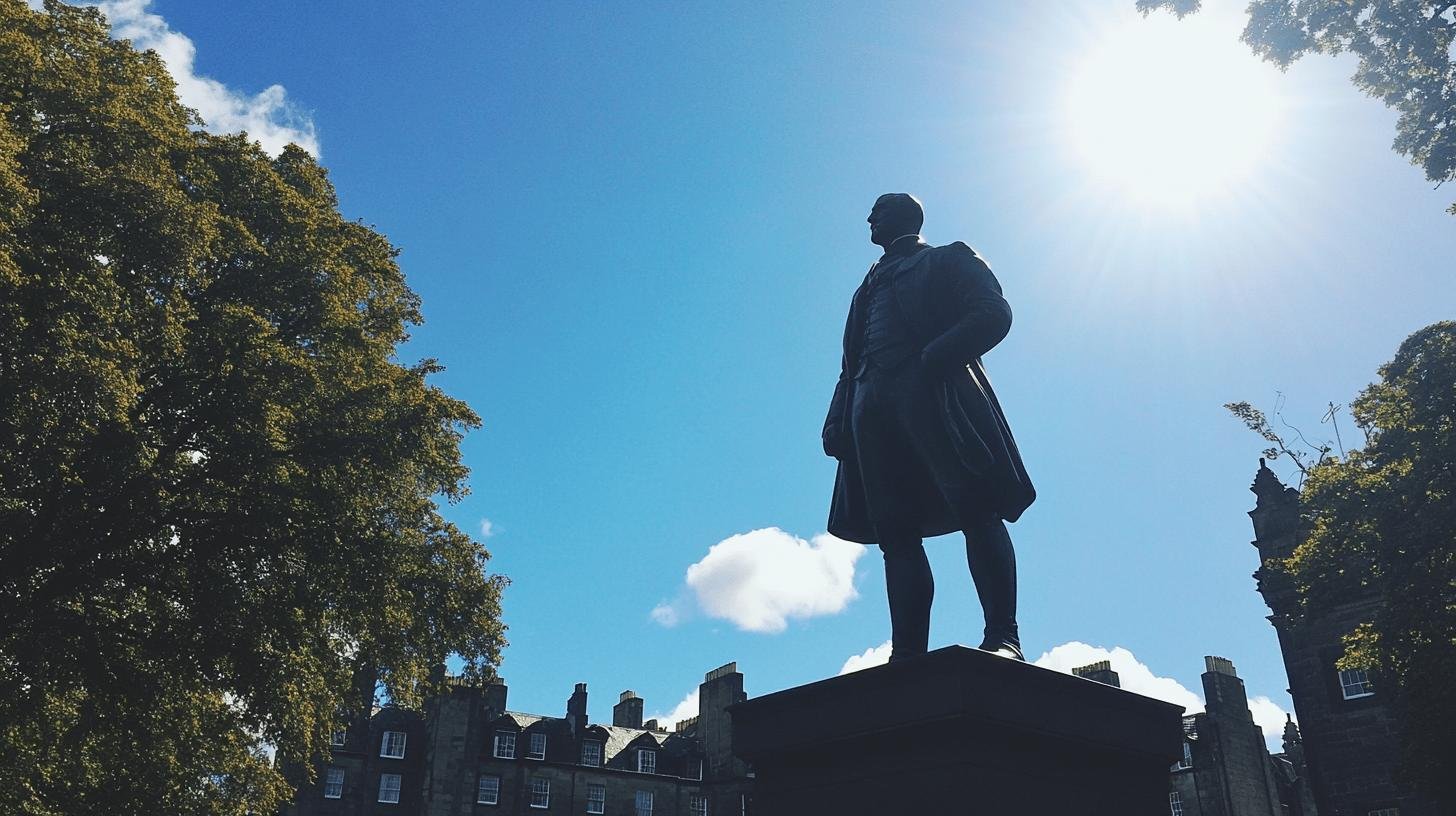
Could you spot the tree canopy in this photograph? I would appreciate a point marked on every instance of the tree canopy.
(218, 485)
(1405, 60)
(1384, 519)
(1381, 522)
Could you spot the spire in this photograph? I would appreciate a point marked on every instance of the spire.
(1291, 733)
(1267, 485)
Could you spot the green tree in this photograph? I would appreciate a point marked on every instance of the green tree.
(217, 485)
(1405, 60)
(1382, 520)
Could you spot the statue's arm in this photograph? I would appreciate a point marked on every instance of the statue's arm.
(966, 286)
(834, 435)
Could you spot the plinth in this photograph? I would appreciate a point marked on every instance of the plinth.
(959, 731)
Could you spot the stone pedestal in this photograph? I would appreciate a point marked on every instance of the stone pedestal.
(958, 731)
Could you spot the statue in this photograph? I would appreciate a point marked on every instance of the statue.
(922, 444)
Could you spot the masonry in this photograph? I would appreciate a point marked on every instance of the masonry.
(466, 753)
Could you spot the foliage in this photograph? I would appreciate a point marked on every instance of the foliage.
(1382, 522)
(217, 485)
(1256, 421)
(1405, 60)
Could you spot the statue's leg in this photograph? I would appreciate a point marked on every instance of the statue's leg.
(911, 589)
(993, 567)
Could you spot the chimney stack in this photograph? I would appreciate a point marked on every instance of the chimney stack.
(1099, 672)
(627, 713)
(576, 709)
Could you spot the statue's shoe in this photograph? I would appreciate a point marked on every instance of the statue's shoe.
(997, 647)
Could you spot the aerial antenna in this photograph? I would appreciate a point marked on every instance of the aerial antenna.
(1330, 418)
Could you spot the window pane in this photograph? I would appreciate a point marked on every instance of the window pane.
(392, 746)
(389, 788)
(1355, 683)
(505, 744)
(591, 753)
(698, 805)
(644, 803)
(489, 790)
(646, 761)
(336, 739)
(596, 798)
(538, 746)
(334, 783)
(540, 792)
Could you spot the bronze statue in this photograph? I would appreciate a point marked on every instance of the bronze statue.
(922, 444)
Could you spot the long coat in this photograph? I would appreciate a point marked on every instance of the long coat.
(954, 308)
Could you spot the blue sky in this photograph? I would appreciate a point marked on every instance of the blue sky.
(636, 228)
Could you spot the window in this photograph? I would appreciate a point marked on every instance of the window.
(392, 746)
(505, 745)
(698, 804)
(695, 768)
(334, 783)
(1355, 683)
(591, 753)
(540, 792)
(336, 739)
(646, 761)
(487, 791)
(538, 747)
(596, 798)
(1175, 804)
(1385, 812)
(1187, 760)
(644, 803)
(743, 804)
(389, 788)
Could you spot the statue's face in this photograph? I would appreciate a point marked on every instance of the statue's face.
(882, 224)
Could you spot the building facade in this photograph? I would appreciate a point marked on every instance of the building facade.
(1226, 769)
(466, 754)
(1349, 735)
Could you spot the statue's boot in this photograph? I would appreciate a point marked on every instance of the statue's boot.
(910, 587)
(993, 567)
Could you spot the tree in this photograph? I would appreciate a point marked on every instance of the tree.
(1405, 54)
(217, 486)
(1382, 520)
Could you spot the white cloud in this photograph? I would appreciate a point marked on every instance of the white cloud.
(685, 709)
(761, 579)
(268, 116)
(1134, 674)
(1270, 718)
(868, 659)
(487, 528)
(666, 614)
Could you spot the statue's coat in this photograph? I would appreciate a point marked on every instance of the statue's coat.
(954, 306)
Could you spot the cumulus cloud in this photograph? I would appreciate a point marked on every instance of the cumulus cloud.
(1269, 717)
(1134, 674)
(868, 659)
(760, 580)
(487, 528)
(268, 116)
(686, 708)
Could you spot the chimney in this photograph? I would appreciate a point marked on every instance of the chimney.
(576, 709)
(721, 688)
(627, 713)
(1099, 672)
(1224, 691)
(494, 700)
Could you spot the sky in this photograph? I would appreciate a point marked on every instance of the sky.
(636, 228)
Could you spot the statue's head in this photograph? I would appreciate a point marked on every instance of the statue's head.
(894, 215)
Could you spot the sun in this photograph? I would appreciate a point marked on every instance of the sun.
(1172, 111)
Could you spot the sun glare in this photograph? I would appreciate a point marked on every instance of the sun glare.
(1172, 111)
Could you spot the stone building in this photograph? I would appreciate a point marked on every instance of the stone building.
(1226, 769)
(1350, 737)
(466, 754)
